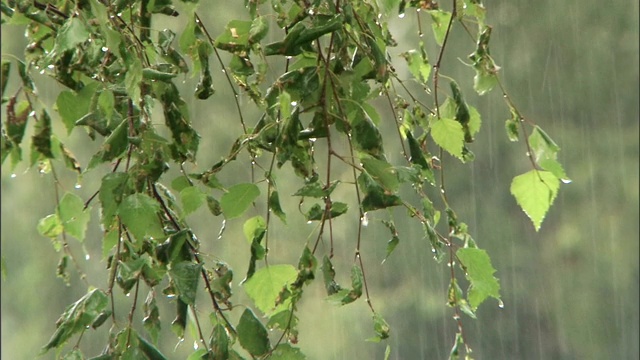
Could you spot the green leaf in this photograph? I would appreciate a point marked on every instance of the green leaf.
(274, 205)
(266, 284)
(238, 199)
(382, 172)
(254, 228)
(139, 213)
(545, 152)
(192, 198)
(449, 135)
(367, 137)
(150, 351)
(286, 352)
(381, 327)
(235, 37)
(50, 226)
(252, 334)
(4, 76)
(479, 272)
(535, 191)
(112, 191)
(440, 23)
(185, 275)
(73, 216)
(77, 317)
(486, 69)
(418, 63)
(317, 212)
(220, 343)
(316, 189)
(71, 34)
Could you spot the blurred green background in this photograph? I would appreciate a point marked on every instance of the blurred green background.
(570, 291)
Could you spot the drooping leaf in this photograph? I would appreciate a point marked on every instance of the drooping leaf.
(185, 275)
(112, 191)
(545, 152)
(486, 69)
(479, 272)
(317, 212)
(440, 24)
(238, 199)
(265, 285)
(71, 34)
(252, 334)
(274, 205)
(254, 227)
(73, 216)
(535, 191)
(77, 317)
(418, 63)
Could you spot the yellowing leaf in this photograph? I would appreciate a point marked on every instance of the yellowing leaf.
(535, 191)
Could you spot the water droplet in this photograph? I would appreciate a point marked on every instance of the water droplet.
(294, 103)
(13, 176)
(364, 219)
(51, 66)
(78, 186)
(42, 72)
(309, 222)
(500, 304)
(105, 49)
(224, 71)
(401, 15)
(87, 257)
(128, 294)
(566, 181)
(312, 140)
(195, 345)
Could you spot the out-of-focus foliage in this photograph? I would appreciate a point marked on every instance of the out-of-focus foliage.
(568, 292)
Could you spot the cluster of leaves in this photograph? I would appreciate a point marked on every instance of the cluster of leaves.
(336, 65)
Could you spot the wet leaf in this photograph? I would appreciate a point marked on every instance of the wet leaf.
(479, 272)
(77, 317)
(535, 191)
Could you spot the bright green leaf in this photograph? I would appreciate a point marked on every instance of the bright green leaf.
(238, 199)
(535, 191)
(440, 24)
(479, 272)
(112, 191)
(254, 227)
(266, 284)
(449, 135)
(73, 216)
(50, 226)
